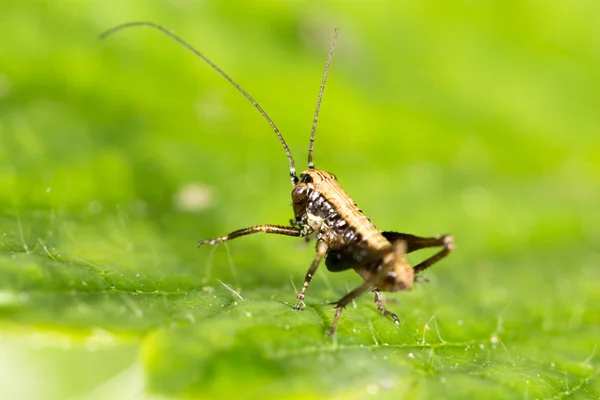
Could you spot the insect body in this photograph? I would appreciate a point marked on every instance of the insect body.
(345, 237)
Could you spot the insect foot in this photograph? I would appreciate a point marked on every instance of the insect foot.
(380, 303)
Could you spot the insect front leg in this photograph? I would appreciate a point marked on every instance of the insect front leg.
(321, 251)
(275, 229)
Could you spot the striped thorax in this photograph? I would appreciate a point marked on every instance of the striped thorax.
(321, 206)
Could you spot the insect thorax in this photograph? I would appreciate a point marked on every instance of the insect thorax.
(323, 208)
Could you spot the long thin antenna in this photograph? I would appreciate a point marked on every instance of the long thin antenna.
(311, 164)
(117, 28)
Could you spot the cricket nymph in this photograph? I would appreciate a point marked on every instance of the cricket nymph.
(345, 237)
(324, 210)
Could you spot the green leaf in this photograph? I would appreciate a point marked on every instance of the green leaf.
(117, 156)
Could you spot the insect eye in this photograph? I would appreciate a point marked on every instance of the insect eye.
(299, 193)
(305, 178)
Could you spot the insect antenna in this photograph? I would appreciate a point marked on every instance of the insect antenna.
(117, 28)
(311, 164)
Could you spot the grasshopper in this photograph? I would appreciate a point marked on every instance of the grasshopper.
(345, 237)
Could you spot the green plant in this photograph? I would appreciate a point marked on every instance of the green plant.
(117, 156)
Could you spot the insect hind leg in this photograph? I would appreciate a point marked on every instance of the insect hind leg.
(414, 243)
(445, 241)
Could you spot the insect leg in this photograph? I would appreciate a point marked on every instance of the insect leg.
(445, 241)
(414, 243)
(276, 229)
(321, 251)
(343, 302)
(399, 249)
(381, 308)
(336, 318)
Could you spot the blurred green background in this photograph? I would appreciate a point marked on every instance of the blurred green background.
(478, 119)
